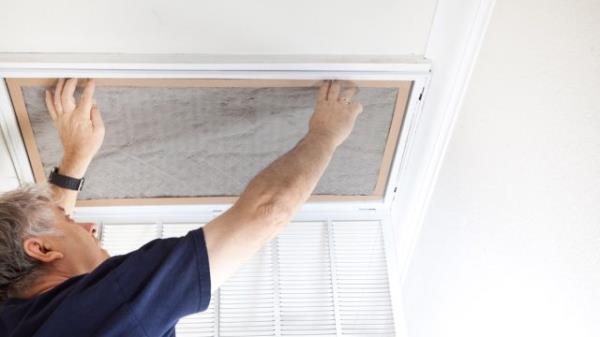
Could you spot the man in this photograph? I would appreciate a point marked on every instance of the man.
(56, 280)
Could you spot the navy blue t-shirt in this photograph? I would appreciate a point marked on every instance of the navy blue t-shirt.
(143, 293)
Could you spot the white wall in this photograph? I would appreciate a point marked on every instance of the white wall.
(217, 27)
(511, 242)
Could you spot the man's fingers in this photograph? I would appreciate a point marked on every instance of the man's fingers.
(57, 93)
(87, 98)
(347, 94)
(334, 91)
(96, 117)
(67, 99)
(324, 90)
(50, 105)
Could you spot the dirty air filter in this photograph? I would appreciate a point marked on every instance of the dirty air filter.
(207, 138)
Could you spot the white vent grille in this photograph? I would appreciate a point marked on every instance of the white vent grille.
(362, 282)
(315, 279)
(305, 282)
(247, 301)
(119, 239)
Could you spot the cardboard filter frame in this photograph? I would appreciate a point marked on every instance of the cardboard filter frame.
(16, 86)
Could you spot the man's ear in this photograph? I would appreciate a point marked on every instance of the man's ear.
(41, 250)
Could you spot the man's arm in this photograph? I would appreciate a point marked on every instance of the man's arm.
(81, 131)
(272, 198)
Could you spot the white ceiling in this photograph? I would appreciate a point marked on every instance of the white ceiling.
(350, 27)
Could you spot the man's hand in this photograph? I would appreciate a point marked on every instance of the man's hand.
(79, 125)
(335, 112)
(81, 131)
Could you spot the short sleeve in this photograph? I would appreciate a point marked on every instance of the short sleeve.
(165, 280)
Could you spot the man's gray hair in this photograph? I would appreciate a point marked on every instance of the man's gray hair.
(24, 213)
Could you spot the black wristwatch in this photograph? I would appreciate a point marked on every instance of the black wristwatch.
(65, 181)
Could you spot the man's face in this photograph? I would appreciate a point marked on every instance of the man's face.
(78, 244)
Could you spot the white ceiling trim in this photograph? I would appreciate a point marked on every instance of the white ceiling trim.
(194, 65)
(12, 137)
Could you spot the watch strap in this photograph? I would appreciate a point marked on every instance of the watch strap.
(65, 181)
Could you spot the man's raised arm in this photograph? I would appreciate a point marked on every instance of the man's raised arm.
(270, 200)
(81, 133)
